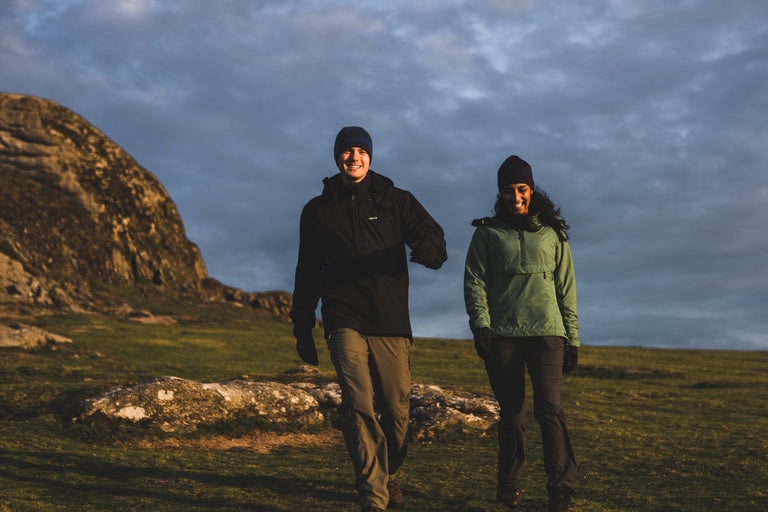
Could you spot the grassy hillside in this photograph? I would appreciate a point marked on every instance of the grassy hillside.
(653, 430)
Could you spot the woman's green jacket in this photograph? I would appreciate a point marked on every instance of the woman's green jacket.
(520, 283)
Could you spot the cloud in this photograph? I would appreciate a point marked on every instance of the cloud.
(644, 121)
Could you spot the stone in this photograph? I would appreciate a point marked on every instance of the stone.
(434, 410)
(176, 404)
(28, 337)
(182, 405)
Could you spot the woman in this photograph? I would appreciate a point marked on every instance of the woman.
(520, 294)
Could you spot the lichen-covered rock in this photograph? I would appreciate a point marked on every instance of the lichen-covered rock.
(181, 405)
(177, 404)
(429, 396)
(434, 410)
(328, 395)
(75, 207)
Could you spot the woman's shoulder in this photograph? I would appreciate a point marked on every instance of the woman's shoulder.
(491, 222)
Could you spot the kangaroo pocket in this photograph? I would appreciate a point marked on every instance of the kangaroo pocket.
(526, 305)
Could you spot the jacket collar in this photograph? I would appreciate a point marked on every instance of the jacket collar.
(373, 182)
(528, 223)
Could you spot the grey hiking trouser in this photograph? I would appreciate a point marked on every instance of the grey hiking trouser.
(543, 355)
(368, 367)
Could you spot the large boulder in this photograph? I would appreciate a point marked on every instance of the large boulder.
(176, 404)
(181, 405)
(76, 209)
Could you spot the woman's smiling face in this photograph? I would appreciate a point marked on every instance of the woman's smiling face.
(517, 198)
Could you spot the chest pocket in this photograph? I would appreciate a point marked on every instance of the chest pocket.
(522, 252)
(379, 228)
(358, 228)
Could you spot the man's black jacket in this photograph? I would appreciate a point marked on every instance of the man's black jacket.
(352, 256)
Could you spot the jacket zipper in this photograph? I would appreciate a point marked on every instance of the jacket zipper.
(521, 237)
(356, 221)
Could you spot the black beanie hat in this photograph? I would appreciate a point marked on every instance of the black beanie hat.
(515, 170)
(352, 137)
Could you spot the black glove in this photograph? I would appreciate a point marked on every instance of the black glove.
(484, 342)
(305, 346)
(428, 253)
(570, 358)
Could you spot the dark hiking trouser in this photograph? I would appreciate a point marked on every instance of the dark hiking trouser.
(368, 367)
(543, 356)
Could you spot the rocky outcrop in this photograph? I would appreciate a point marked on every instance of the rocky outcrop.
(78, 212)
(176, 404)
(181, 405)
(76, 209)
(28, 337)
(277, 302)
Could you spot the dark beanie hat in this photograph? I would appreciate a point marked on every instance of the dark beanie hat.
(515, 170)
(352, 137)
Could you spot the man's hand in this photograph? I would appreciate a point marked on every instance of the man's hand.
(430, 253)
(570, 358)
(305, 346)
(484, 342)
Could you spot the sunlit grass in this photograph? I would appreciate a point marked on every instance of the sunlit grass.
(653, 429)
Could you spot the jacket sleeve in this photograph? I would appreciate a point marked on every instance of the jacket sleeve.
(565, 287)
(422, 234)
(476, 283)
(306, 293)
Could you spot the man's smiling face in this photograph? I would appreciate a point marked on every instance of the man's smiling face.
(354, 163)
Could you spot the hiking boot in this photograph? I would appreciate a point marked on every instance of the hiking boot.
(395, 496)
(508, 493)
(560, 499)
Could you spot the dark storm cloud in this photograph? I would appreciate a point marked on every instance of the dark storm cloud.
(644, 120)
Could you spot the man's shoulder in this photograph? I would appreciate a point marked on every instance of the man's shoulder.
(317, 199)
(381, 183)
(330, 189)
(312, 206)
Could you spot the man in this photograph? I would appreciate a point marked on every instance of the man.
(352, 256)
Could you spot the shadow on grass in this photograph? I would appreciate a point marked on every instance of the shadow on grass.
(90, 480)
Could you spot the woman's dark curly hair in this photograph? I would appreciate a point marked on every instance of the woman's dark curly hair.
(549, 213)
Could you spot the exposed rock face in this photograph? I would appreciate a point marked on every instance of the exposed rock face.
(17, 286)
(181, 405)
(28, 337)
(77, 209)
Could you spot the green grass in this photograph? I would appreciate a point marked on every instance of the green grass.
(653, 430)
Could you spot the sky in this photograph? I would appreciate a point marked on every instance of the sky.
(644, 120)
